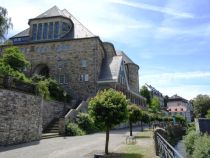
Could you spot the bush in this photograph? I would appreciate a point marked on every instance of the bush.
(72, 129)
(42, 89)
(86, 123)
(202, 147)
(189, 141)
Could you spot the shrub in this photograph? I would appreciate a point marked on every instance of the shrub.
(202, 147)
(189, 141)
(73, 129)
(86, 123)
(42, 89)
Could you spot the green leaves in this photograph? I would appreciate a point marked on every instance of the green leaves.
(108, 108)
(13, 57)
(135, 114)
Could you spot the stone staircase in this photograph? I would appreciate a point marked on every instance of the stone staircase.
(52, 130)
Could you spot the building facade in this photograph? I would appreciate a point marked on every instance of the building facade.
(155, 93)
(59, 46)
(178, 105)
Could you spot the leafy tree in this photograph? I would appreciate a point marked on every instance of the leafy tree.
(7, 67)
(208, 114)
(134, 115)
(13, 57)
(86, 123)
(200, 105)
(146, 93)
(5, 23)
(108, 108)
(155, 104)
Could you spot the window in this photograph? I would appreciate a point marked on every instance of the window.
(50, 33)
(84, 63)
(34, 31)
(65, 27)
(61, 79)
(45, 31)
(84, 77)
(56, 30)
(39, 35)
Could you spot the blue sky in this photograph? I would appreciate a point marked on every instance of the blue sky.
(168, 39)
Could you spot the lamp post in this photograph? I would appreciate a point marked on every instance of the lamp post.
(64, 94)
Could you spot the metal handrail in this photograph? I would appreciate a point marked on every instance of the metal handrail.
(165, 149)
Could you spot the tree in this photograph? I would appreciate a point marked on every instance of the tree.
(146, 93)
(134, 115)
(5, 23)
(155, 104)
(12, 63)
(200, 105)
(208, 114)
(108, 108)
(13, 57)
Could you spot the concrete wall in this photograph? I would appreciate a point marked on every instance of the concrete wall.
(20, 117)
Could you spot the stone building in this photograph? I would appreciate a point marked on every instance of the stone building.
(178, 105)
(59, 46)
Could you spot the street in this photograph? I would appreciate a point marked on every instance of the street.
(66, 147)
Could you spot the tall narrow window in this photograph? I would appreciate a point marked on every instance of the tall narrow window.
(34, 31)
(45, 31)
(56, 30)
(39, 35)
(50, 32)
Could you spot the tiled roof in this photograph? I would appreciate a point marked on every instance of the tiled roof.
(125, 57)
(177, 98)
(110, 68)
(22, 34)
(52, 12)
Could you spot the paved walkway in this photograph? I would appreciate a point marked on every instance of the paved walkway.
(65, 147)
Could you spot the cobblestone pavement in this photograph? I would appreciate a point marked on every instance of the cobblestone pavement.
(66, 147)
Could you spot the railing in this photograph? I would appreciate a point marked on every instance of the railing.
(165, 150)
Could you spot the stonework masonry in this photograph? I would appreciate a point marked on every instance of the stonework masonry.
(20, 117)
(23, 116)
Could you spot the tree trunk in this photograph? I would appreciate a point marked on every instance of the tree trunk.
(130, 125)
(107, 141)
(141, 126)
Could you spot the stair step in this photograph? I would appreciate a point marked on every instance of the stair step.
(49, 135)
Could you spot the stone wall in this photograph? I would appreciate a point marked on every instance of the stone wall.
(20, 117)
(65, 58)
(51, 110)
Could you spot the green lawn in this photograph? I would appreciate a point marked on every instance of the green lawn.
(144, 148)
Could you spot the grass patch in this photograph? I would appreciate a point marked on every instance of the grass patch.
(131, 151)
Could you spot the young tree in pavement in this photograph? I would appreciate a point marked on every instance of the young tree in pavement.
(108, 108)
(5, 23)
(134, 115)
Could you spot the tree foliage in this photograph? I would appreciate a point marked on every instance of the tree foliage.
(155, 104)
(134, 115)
(13, 57)
(208, 114)
(145, 93)
(108, 108)
(201, 104)
(5, 23)
(12, 62)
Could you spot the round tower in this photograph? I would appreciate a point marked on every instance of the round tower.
(133, 76)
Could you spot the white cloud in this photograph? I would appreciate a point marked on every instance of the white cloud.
(165, 10)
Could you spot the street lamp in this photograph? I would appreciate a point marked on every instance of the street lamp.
(64, 94)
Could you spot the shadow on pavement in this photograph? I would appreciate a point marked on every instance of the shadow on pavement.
(6, 148)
